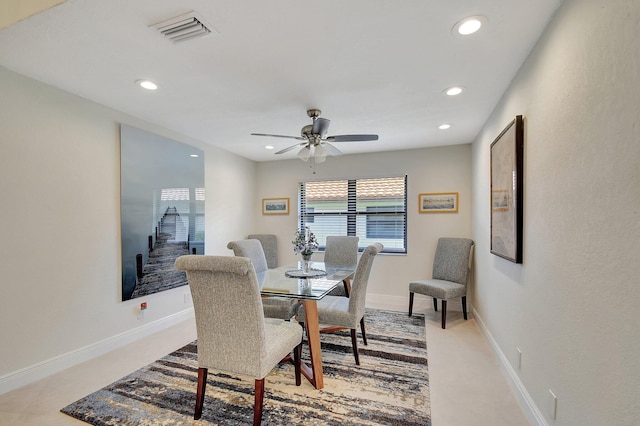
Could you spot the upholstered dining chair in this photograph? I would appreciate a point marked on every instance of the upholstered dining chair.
(341, 250)
(339, 312)
(269, 246)
(451, 266)
(274, 307)
(235, 337)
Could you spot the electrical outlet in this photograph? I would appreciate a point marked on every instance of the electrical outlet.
(143, 307)
(519, 360)
(553, 405)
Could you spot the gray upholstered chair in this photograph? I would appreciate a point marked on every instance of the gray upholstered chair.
(274, 307)
(269, 246)
(451, 266)
(341, 312)
(341, 250)
(233, 335)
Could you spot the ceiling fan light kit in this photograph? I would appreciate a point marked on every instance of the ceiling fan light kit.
(315, 142)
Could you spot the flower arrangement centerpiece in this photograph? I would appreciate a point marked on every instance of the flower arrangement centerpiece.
(305, 243)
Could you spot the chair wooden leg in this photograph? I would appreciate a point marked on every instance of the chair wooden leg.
(464, 307)
(364, 334)
(259, 398)
(444, 313)
(435, 304)
(346, 288)
(202, 384)
(410, 303)
(297, 362)
(354, 344)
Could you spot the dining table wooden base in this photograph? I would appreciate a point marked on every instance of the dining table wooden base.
(284, 281)
(313, 373)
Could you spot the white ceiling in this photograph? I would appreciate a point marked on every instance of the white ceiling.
(371, 66)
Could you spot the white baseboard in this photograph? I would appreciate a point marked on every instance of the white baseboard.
(423, 303)
(51, 366)
(526, 402)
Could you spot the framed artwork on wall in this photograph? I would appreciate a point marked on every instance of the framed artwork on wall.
(507, 152)
(162, 210)
(275, 206)
(438, 202)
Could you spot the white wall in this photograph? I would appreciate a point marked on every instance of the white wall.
(444, 169)
(571, 307)
(60, 219)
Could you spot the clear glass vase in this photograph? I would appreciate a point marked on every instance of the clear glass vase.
(306, 263)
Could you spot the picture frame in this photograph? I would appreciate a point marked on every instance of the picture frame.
(438, 202)
(507, 189)
(275, 206)
(162, 210)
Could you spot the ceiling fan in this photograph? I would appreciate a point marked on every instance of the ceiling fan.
(315, 142)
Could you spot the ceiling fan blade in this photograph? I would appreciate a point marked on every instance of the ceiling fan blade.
(321, 127)
(352, 138)
(331, 150)
(279, 136)
(289, 148)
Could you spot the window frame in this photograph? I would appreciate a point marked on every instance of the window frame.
(352, 214)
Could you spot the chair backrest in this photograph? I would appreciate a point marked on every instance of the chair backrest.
(269, 246)
(341, 250)
(251, 249)
(228, 311)
(452, 258)
(358, 295)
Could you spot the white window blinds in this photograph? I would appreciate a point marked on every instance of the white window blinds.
(373, 209)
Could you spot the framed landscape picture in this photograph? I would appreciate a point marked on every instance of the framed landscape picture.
(507, 152)
(438, 202)
(275, 206)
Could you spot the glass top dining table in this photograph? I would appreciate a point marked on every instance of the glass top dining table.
(285, 281)
(279, 282)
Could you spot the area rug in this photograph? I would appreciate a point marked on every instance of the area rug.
(390, 387)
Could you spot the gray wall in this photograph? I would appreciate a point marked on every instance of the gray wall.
(60, 245)
(571, 307)
(443, 169)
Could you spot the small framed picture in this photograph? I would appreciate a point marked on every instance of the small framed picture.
(438, 202)
(275, 206)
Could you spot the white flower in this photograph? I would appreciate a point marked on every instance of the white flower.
(305, 242)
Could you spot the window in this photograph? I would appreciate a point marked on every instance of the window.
(383, 226)
(372, 209)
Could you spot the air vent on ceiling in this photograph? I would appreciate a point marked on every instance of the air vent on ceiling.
(183, 27)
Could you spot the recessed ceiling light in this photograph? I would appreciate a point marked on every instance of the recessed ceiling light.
(147, 84)
(468, 26)
(444, 126)
(194, 155)
(268, 147)
(454, 90)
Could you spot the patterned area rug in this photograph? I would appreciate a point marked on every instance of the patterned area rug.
(390, 387)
